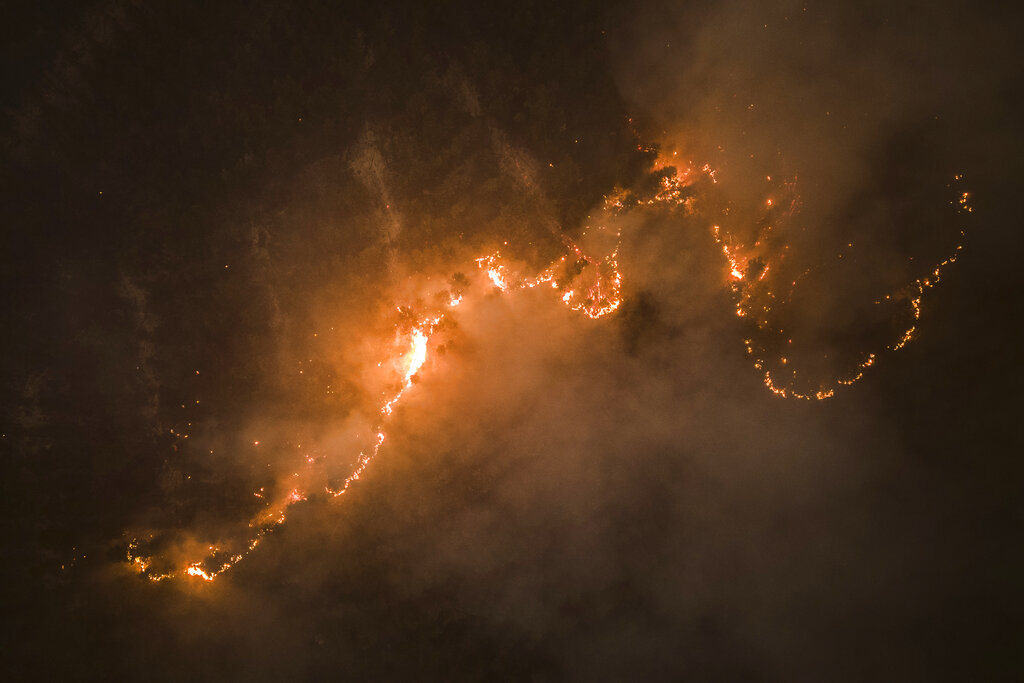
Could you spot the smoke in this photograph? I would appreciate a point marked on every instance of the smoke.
(819, 89)
(557, 498)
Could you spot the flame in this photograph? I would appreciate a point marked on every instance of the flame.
(492, 266)
(196, 569)
(497, 278)
(417, 355)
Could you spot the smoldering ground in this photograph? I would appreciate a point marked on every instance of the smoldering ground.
(558, 498)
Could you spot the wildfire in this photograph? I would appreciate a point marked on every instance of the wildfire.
(596, 295)
(593, 287)
(275, 515)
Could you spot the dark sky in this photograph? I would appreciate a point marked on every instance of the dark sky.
(210, 215)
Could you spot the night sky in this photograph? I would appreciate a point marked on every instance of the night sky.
(223, 222)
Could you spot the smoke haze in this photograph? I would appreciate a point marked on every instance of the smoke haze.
(218, 219)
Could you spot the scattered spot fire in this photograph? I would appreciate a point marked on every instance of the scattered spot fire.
(764, 281)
